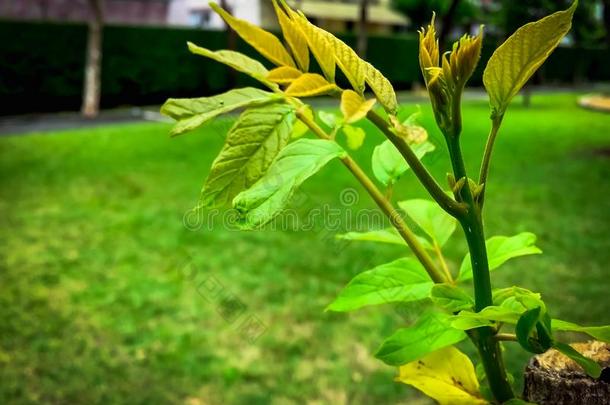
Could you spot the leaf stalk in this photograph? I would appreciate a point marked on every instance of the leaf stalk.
(445, 201)
(385, 205)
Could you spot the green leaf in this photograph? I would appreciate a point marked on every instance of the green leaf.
(528, 324)
(489, 316)
(431, 218)
(389, 235)
(601, 333)
(500, 295)
(591, 367)
(403, 280)
(446, 375)
(252, 144)
(191, 113)
(237, 61)
(295, 163)
(509, 311)
(431, 332)
(500, 249)
(388, 163)
(451, 298)
(517, 59)
(354, 135)
(517, 298)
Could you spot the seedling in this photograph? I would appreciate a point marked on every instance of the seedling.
(268, 155)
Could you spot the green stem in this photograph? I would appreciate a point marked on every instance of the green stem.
(445, 201)
(396, 220)
(484, 338)
(491, 139)
(441, 259)
(506, 337)
(384, 204)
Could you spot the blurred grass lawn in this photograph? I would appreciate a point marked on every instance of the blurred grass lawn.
(95, 305)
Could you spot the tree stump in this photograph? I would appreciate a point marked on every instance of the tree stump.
(553, 379)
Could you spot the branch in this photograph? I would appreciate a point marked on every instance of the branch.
(506, 337)
(447, 203)
(386, 206)
(491, 139)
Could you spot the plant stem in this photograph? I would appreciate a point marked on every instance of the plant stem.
(506, 337)
(445, 201)
(396, 220)
(386, 206)
(441, 258)
(491, 139)
(484, 338)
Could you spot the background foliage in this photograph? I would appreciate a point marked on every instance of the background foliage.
(144, 65)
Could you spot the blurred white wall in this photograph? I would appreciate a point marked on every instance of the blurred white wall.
(197, 13)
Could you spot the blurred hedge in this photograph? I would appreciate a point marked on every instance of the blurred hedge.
(41, 68)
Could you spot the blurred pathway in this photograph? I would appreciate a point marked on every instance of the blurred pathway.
(52, 122)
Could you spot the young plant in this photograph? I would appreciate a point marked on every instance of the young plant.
(266, 157)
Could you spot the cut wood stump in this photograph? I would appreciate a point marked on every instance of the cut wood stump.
(553, 379)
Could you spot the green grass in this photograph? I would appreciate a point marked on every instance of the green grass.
(99, 278)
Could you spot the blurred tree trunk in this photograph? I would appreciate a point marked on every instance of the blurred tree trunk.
(231, 45)
(362, 29)
(448, 20)
(93, 64)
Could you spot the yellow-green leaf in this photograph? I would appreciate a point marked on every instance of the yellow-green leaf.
(264, 42)
(309, 85)
(349, 62)
(354, 107)
(354, 135)
(252, 144)
(284, 75)
(412, 133)
(388, 163)
(191, 113)
(446, 375)
(516, 60)
(296, 163)
(237, 61)
(294, 37)
(319, 44)
(382, 88)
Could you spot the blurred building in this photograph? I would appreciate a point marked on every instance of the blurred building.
(343, 15)
(336, 16)
(197, 13)
(136, 12)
